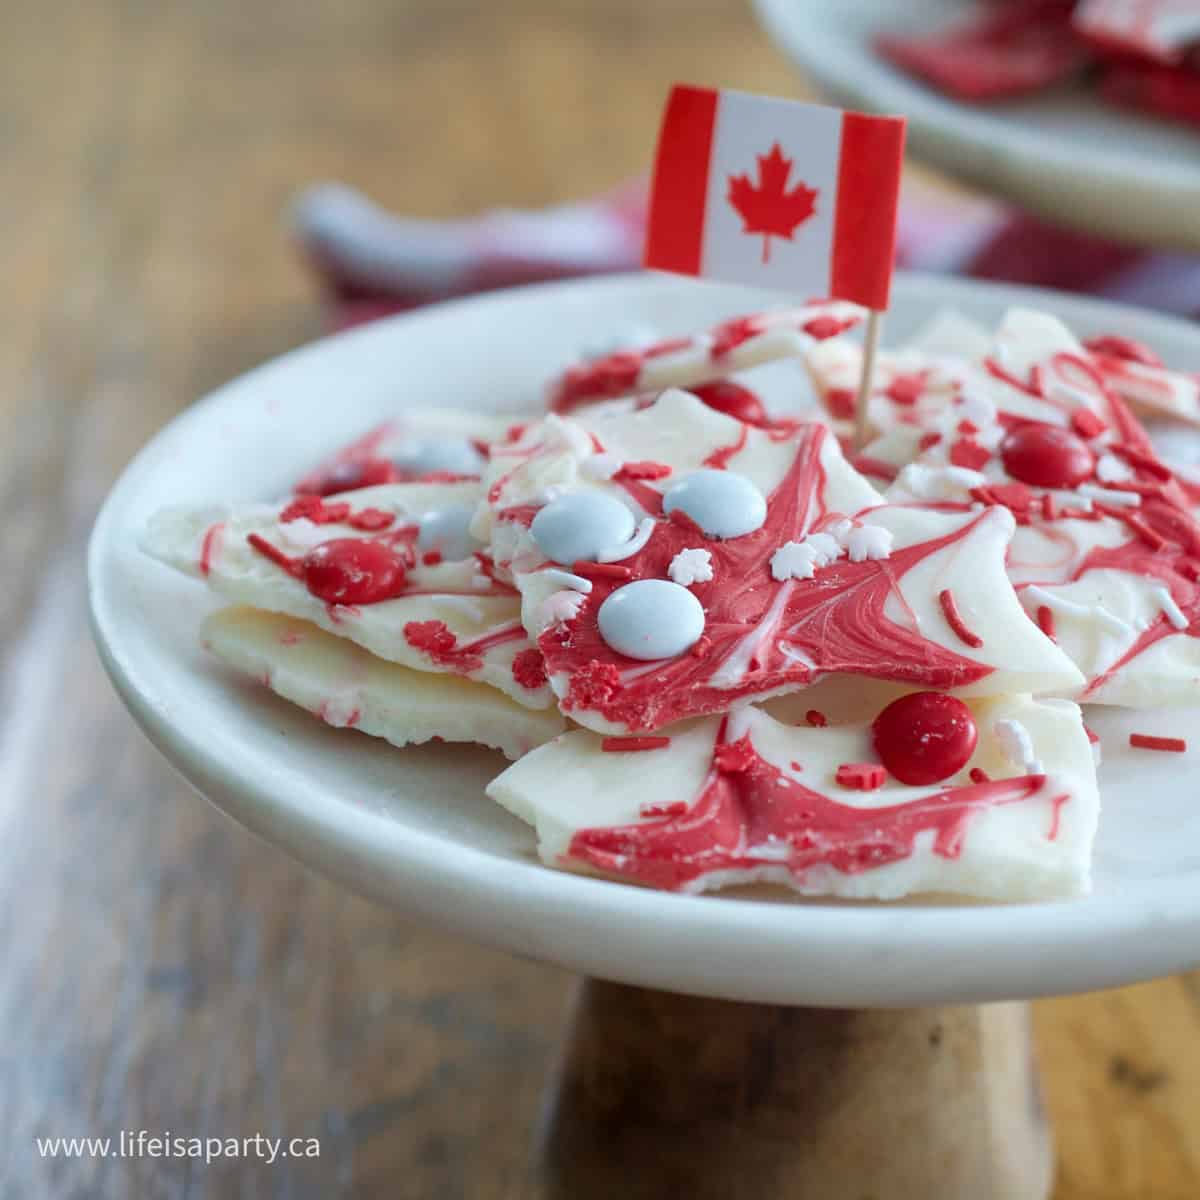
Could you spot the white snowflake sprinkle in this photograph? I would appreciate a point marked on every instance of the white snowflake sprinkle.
(691, 566)
(558, 608)
(869, 542)
(825, 547)
(793, 560)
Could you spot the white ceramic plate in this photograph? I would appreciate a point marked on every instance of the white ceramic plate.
(1064, 154)
(414, 829)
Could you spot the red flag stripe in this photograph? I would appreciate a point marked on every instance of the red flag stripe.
(868, 195)
(675, 234)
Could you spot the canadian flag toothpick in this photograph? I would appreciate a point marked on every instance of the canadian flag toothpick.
(799, 197)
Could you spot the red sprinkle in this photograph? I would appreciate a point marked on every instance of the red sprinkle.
(371, 520)
(955, 621)
(277, 556)
(643, 470)
(826, 326)
(1092, 735)
(593, 570)
(1145, 462)
(1045, 620)
(979, 775)
(431, 558)
(905, 390)
(1146, 741)
(967, 427)
(816, 718)
(928, 439)
(613, 745)
(208, 546)
(967, 452)
(840, 402)
(1087, 424)
(861, 777)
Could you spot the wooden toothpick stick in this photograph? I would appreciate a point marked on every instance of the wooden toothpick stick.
(870, 346)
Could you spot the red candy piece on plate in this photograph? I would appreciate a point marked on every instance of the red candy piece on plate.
(1046, 456)
(1013, 49)
(925, 737)
(732, 399)
(353, 571)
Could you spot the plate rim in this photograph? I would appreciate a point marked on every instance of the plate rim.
(631, 934)
(1092, 187)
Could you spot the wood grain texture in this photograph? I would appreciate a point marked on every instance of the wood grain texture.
(162, 969)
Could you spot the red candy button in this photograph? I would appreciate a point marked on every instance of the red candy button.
(733, 400)
(352, 571)
(1046, 456)
(925, 737)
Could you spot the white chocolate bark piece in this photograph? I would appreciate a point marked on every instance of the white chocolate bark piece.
(734, 345)
(444, 616)
(1107, 550)
(743, 799)
(442, 442)
(347, 687)
(829, 582)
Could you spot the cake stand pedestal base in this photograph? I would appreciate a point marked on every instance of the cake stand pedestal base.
(662, 1096)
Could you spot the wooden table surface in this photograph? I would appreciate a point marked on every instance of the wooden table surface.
(162, 969)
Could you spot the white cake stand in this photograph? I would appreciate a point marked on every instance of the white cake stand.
(809, 1089)
(1064, 154)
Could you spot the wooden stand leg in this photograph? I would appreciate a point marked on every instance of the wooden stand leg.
(662, 1096)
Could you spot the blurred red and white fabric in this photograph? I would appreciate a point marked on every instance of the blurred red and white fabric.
(371, 262)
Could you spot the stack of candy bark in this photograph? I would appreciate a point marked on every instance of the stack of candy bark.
(1142, 54)
(723, 646)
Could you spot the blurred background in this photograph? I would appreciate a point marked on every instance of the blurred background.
(161, 969)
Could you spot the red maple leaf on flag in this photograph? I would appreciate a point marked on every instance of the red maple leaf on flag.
(769, 208)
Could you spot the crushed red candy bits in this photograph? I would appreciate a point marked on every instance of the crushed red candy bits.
(1092, 735)
(622, 745)
(1148, 741)
(861, 777)
(816, 718)
(928, 440)
(979, 775)
(955, 621)
(529, 668)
